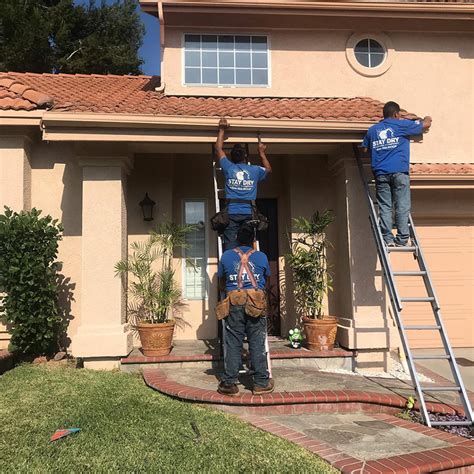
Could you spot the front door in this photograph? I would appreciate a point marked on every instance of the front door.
(268, 241)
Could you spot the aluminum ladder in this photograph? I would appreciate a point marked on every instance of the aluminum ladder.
(397, 308)
(217, 190)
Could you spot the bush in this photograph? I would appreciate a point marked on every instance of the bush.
(28, 279)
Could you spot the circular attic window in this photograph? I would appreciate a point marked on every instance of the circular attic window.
(369, 54)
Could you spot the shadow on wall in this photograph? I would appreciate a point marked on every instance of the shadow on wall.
(65, 297)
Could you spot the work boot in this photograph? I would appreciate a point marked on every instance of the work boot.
(262, 390)
(228, 389)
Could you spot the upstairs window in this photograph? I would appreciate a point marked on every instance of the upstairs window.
(226, 60)
(369, 53)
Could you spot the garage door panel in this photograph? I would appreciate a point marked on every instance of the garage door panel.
(449, 253)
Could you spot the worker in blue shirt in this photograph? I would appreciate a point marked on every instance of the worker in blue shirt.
(241, 180)
(243, 273)
(389, 144)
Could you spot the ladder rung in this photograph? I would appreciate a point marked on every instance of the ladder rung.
(417, 299)
(441, 389)
(451, 423)
(422, 328)
(409, 273)
(401, 249)
(431, 357)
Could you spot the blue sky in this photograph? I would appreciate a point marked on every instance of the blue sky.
(150, 50)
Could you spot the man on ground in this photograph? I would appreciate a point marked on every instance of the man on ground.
(241, 180)
(243, 273)
(389, 145)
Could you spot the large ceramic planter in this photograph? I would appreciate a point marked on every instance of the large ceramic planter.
(156, 339)
(320, 333)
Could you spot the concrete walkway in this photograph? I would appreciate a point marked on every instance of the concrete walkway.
(465, 360)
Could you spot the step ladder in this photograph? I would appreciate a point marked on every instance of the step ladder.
(390, 277)
(218, 195)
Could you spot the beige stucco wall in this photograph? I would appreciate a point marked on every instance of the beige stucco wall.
(431, 74)
(56, 189)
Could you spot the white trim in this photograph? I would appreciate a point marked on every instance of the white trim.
(234, 68)
(206, 250)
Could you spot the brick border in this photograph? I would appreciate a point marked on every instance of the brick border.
(460, 454)
(290, 354)
(344, 399)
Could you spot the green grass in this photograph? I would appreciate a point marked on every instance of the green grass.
(127, 427)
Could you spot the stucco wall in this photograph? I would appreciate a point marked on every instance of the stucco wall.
(431, 74)
(56, 189)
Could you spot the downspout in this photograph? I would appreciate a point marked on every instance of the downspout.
(161, 18)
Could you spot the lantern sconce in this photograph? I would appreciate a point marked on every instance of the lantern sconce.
(147, 206)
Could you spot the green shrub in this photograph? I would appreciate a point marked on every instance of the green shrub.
(28, 280)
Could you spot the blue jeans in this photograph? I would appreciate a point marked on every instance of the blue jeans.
(230, 234)
(236, 326)
(393, 191)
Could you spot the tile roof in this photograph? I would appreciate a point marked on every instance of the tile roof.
(442, 168)
(137, 95)
(16, 95)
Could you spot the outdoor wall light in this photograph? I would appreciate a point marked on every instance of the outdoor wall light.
(147, 206)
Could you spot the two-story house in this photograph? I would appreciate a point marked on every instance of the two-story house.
(310, 77)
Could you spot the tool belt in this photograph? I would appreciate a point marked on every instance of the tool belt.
(220, 221)
(254, 299)
(255, 302)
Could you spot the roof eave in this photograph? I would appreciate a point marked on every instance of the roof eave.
(146, 128)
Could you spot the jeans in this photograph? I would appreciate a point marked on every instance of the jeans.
(393, 190)
(230, 234)
(236, 326)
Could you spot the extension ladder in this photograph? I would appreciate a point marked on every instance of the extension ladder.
(397, 307)
(217, 169)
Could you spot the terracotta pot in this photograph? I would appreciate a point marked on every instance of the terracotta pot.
(320, 333)
(156, 339)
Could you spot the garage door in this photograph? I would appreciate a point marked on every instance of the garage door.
(449, 253)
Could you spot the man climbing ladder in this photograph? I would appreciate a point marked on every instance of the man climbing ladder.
(241, 181)
(389, 144)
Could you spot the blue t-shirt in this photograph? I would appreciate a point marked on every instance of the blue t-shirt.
(229, 266)
(389, 144)
(241, 183)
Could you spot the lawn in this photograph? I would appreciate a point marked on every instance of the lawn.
(127, 427)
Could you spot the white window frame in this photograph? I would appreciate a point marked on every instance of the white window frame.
(228, 86)
(206, 251)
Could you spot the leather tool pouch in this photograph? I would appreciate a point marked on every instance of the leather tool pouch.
(238, 297)
(256, 304)
(220, 221)
(223, 308)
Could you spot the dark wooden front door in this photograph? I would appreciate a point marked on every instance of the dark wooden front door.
(268, 241)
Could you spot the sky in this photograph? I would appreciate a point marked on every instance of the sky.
(150, 50)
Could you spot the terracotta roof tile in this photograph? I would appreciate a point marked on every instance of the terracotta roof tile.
(442, 168)
(16, 95)
(137, 95)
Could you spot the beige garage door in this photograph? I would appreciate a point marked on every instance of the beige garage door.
(449, 252)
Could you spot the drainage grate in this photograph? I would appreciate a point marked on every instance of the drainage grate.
(462, 361)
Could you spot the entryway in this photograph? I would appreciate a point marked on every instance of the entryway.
(268, 241)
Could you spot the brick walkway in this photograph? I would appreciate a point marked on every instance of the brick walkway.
(316, 409)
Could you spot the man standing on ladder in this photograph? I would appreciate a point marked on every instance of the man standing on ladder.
(243, 273)
(389, 145)
(241, 180)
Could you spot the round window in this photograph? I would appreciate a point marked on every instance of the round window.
(369, 53)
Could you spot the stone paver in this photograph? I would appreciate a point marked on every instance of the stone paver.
(288, 379)
(359, 435)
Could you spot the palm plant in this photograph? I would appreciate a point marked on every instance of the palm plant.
(308, 261)
(153, 294)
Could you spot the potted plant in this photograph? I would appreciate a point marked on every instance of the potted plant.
(312, 279)
(154, 297)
